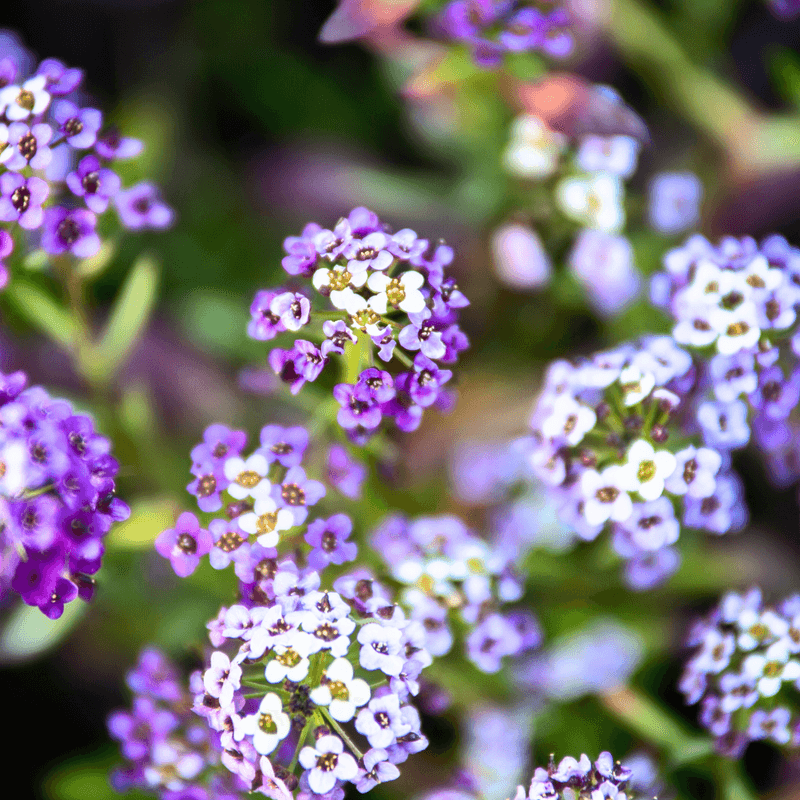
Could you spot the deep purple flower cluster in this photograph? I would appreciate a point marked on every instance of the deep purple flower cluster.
(169, 751)
(738, 303)
(745, 672)
(56, 159)
(57, 498)
(390, 300)
(492, 28)
(615, 438)
(445, 567)
(578, 778)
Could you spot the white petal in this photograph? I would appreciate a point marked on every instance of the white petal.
(378, 303)
(378, 281)
(342, 710)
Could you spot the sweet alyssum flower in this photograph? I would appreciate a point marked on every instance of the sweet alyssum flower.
(614, 439)
(53, 204)
(745, 672)
(375, 298)
(57, 497)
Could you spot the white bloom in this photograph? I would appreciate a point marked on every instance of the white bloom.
(247, 478)
(269, 726)
(534, 149)
(326, 763)
(267, 520)
(289, 663)
(771, 669)
(606, 495)
(339, 282)
(340, 691)
(594, 200)
(649, 469)
(20, 102)
(403, 292)
(362, 316)
(569, 420)
(757, 628)
(636, 385)
(738, 329)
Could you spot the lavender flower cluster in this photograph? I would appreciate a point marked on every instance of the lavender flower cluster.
(447, 568)
(318, 655)
(745, 672)
(492, 28)
(57, 498)
(384, 292)
(737, 303)
(615, 438)
(168, 749)
(56, 161)
(578, 778)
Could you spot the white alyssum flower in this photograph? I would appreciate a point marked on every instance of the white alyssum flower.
(403, 292)
(534, 149)
(338, 282)
(635, 384)
(247, 478)
(614, 154)
(340, 691)
(605, 495)
(290, 663)
(21, 102)
(771, 669)
(570, 421)
(327, 762)
(269, 727)
(267, 520)
(649, 468)
(757, 628)
(362, 316)
(594, 200)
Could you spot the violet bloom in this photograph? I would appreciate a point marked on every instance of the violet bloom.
(141, 207)
(70, 231)
(60, 79)
(776, 396)
(284, 445)
(345, 474)
(377, 769)
(337, 334)
(113, 147)
(422, 335)
(292, 308)
(674, 201)
(297, 493)
(425, 382)
(22, 199)
(357, 409)
(35, 579)
(264, 325)
(184, 544)
(381, 721)
(328, 540)
(304, 362)
(79, 126)
(94, 183)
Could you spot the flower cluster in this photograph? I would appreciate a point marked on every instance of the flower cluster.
(56, 163)
(737, 302)
(614, 437)
(168, 749)
(57, 498)
(446, 567)
(745, 672)
(578, 778)
(390, 298)
(589, 192)
(492, 28)
(320, 655)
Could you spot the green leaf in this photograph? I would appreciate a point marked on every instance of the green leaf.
(128, 319)
(29, 633)
(42, 311)
(785, 68)
(92, 267)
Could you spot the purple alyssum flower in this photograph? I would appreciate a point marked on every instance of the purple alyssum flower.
(70, 231)
(141, 207)
(96, 184)
(22, 199)
(184, 544)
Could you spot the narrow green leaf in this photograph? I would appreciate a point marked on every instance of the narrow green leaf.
(43, 312)
(128, 318)
(29, 633)
(785, 68)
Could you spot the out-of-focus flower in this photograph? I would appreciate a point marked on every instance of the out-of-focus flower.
(593, 200)
(534, 149)
(674, 201)
(519, 257)
(603, 264)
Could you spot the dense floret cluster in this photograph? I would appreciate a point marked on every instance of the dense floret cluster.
(492, 28)
(446, 568)
(388, 298)
(615, 437)
(745, 672)
(737, 303)
(57, 497)
(56, 162)
(573, 778)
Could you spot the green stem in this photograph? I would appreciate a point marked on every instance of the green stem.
(654, 724)
(338, 728)
(356, 357)
(300, 742)
(733, 784)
